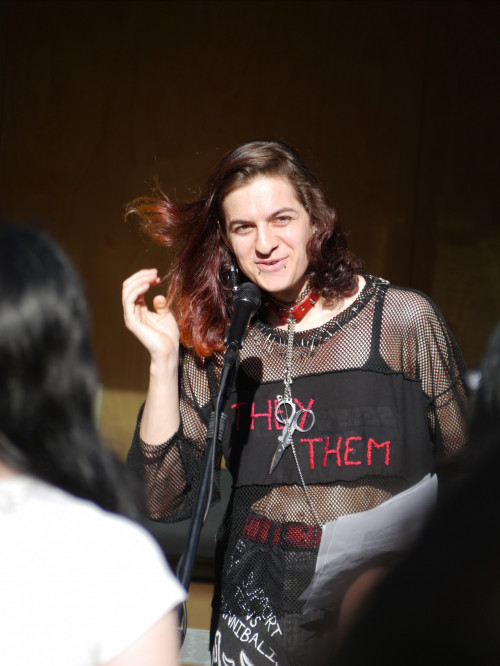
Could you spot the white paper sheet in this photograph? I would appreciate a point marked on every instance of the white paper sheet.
(352, 540)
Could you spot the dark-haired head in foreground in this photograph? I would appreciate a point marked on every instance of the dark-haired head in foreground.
(48, 378)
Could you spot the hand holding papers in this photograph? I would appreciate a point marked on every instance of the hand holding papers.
(351, 541)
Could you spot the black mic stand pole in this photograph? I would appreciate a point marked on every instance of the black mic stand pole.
(204, 492)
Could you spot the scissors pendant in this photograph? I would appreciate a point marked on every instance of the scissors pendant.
(286, 412)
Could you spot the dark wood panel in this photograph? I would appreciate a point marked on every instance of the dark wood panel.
(99, 97)
(456, 240)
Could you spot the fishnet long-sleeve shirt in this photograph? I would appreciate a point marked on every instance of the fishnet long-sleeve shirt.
(384, 379)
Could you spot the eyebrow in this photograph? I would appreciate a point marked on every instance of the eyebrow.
(276, 213)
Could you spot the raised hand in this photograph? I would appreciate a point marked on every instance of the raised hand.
(156, 329)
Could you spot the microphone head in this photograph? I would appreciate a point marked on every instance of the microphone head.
(246, 302)
(248, 291)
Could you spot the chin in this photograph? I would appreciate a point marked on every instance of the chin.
(274, 283)
(276, 290)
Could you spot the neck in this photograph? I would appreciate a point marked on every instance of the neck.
(297, 309)
(290, 303)
(322, 312)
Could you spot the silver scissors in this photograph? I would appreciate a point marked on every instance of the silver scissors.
(291, 421)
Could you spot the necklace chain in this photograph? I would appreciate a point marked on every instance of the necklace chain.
(287, 395)
(289, 352)
(306, 490)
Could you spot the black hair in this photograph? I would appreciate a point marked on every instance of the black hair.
(48, 377)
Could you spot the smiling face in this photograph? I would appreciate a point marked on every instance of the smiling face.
(268, 229)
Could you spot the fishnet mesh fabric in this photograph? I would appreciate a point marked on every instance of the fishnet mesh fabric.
(387, 329)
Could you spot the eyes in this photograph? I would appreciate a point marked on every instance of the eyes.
(242, 228)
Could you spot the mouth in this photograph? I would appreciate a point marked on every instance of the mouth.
(271, 265)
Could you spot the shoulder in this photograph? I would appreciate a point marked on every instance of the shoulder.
(72, 526)
(192, 362)
(106, 568)
(406, 296)
(200, 374)
(409, 306)
(111, 533)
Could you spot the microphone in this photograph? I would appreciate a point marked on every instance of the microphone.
(246, 302)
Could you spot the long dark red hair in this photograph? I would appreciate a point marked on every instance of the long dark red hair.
(199, 291)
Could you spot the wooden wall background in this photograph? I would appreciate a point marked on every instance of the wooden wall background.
(393, 104)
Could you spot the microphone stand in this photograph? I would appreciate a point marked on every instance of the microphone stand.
(204, 493)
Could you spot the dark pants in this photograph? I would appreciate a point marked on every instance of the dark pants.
(293, 640)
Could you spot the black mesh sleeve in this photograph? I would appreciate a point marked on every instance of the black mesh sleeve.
(170, 471)
(429, 353)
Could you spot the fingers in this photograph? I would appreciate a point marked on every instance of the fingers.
(155, 328)
(160, 304)
(145, 278)
(135, 287)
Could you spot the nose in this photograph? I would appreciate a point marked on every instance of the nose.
(266, 240)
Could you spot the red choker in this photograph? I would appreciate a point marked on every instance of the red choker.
(297, 311)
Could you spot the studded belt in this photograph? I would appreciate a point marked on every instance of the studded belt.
(292, 535)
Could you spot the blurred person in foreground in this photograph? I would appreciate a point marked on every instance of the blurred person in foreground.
(81, 583)
(441, 604)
